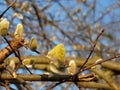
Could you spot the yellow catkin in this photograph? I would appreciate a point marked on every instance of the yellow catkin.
(4, 25)
(72, 67)
(19, 31)
(33, 44)
(57, 53)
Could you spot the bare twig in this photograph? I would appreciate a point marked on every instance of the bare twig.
(17, 55)
(8, 8)
(94, 45)
(99, 62)
(37, 12)
(7, 85)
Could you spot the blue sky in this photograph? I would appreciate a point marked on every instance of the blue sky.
(55, 9)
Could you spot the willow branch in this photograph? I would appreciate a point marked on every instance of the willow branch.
(94, 85)
(41, 62)
(4, 53)
(30, 77)
(107, 77)
(91, 50)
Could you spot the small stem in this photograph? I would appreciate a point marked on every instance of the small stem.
(8, 8)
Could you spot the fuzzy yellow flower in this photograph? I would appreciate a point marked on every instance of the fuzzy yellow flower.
(28, 62)
(4, 25)
(18, 31)
(33, 44)
(57, 54)
(72, 67)
(12, 64)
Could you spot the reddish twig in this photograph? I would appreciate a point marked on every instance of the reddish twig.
(94, 45)
(99, 62)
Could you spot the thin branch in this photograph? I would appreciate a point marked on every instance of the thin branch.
(94, 45)
(10, 46)
(7, 85)
(8, 8)
(99, 62)
(4, 53)
(16, 54)
(37, 11)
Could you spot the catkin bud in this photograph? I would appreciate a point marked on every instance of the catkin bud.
(24, 6)
(57, 53)
(18, 31)
(72, 67)
(28, 62)
(12, 64)
(4, 25)
(33, 44)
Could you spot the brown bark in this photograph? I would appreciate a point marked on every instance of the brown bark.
(15, 44)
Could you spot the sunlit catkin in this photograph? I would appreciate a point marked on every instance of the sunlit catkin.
(28, 62)
(12, 64)
(72, 67)
(24, 6)
(4, 25)
(57, 53)
(19, 31)
(33, 44)
(56, 70)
